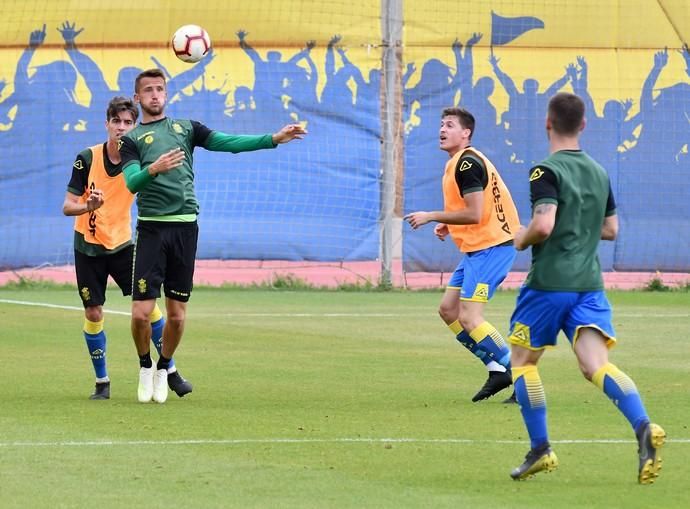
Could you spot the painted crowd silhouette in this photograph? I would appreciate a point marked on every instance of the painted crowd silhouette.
(323, 203)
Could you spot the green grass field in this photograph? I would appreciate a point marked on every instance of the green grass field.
(325, 400)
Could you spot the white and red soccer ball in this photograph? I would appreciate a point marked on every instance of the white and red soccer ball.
(191, 43)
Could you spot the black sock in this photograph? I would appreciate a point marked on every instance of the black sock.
(163, 363)
(145, 360)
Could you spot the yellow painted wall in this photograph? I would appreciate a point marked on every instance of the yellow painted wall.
(618, 39)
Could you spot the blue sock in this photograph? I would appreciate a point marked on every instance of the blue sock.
(622, 391)
(95, 342)
(466, 340)
(157, 337)
(490, 341)
(529, 393)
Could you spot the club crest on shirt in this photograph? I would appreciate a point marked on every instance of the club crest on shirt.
(146, 135)
(538, 172)
(177, 128)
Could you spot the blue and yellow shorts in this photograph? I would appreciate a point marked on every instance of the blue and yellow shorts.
(539, 315)
(480, 273)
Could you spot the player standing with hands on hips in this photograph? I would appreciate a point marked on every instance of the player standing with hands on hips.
(573, 208)
(157, 164)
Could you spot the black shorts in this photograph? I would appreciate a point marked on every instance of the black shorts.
(93, 272)
(164, 253)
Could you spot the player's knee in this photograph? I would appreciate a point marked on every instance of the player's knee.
(94, 313)
(176, 320)
(587, 374)
(448, 313)
(470, 322)
(140, 315)
(588, 369)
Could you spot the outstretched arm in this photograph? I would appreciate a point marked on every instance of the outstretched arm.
(288, 133)
(352, 69)
(647, 96)
(580, 83)
(466, 65)
(313, 72)
(85, 65)
(5, 105)
(186, 78)
(686, 55)
(160, 66)
(21, 76)
(330, 57)
(503, 78)
(222, 142)
(457, 51)
(628, 125)
(251, 52)
(557, 85)
(304, 53)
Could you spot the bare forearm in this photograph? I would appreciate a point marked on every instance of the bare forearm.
(70, 208)
(465, 216)
(74, 206)
(528, 237)
(609, 230)
(539, 228)
(607, 234)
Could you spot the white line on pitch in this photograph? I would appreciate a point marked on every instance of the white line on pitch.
(316, 315)
(494, 312)
(56, 306)
(229, 315)
(240, 441)
(322, 315)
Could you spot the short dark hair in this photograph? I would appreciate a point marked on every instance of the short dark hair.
(566, 113)
(149, 73)
(465, 117)
(120, 104)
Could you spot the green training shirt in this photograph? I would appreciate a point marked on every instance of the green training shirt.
(170, 196)
(568, 259)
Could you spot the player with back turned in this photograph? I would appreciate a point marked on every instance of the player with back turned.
(573, 208)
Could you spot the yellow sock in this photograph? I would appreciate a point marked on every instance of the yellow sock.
(155, 314)
(455, 327)
(93, 327)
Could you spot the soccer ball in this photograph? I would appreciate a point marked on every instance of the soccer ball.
(191, 43)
